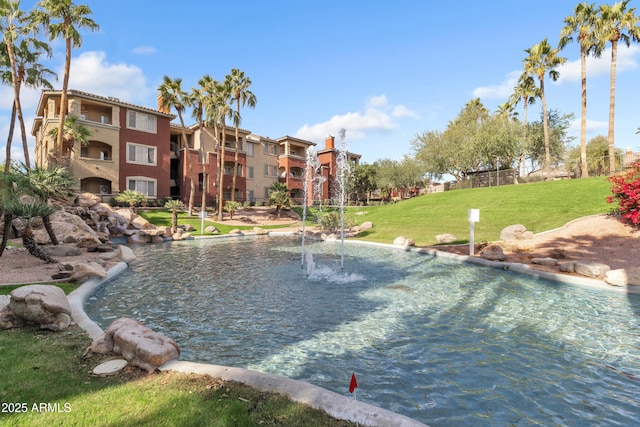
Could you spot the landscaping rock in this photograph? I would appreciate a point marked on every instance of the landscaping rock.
(211, 229)
(446, 238)
(567, 267)
(81, 271)
(110, 367)
(545, 261)
(44, 305)
(126, 254)
(235, 231)
(404, 241)
(513, 232)
(260, 231)
(87, 200)
(367, 225)
(137, 343)
(591, 269)
(493, 253)
(623, 277)
(62, 250)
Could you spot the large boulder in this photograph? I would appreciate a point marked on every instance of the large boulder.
(515, 232)
(623, 277)
(446, 238)
(126, 254)
(404, 241)
(591, 269)
(87, 200)
(137, 343)
(81, 271)
(493, 253)
(44, 305)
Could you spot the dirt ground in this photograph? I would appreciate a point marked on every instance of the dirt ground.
(599, 238)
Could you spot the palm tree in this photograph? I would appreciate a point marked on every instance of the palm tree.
(46, 183)
(279, 197)
(74, 131)
(172, 96)
(542, 58)
(174, 205)
(27, 211)
(208, 114)
(527, 91)
(8, 187)
(30, 72)
(132, 197)
(63, 18)
(242, 95)
(217, 111)
(582, 22)
(614, 23)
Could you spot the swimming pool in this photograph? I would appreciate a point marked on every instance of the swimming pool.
(442, 342)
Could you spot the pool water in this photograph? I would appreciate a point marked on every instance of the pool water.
(443, 342)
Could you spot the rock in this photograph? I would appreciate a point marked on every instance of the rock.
(156, 239)
(403, 241)
(187, 227)
(110, 367)
(137, 343)
(513, 232)
(365, 225)
(567, 267)
(527, 235)
(545, 261)
(236, 231)
(493, 253)
(164, 230)
(139, 223)
(446, 238)
(260, 231)
(63, 250)
(138, 238)
(623, 277)
(81, 271)
(108, 256)
(591, 269)
(44, 305)
(87, 200)
(211, 229)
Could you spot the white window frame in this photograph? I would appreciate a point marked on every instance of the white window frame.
(250, 148)
(143, 122)
(146, 180)
(153, 162)
(249, 172)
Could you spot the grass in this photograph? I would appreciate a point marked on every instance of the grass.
(538, 206)
(40, 367)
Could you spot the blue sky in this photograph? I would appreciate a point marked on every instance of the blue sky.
(384, 71)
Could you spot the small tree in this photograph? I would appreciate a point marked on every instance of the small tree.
(231, 207)
(279, 197)
(174, 206)
(626, 193)
(27, 212)
(132, 197)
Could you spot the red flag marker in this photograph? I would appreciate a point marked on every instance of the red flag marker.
(354, 384)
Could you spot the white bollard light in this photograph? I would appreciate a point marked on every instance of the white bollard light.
(474, 216)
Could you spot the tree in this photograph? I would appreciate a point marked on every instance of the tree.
(73, 132)
(218, 110)
(172, 96)
(542, 58)
(239, 84)
(132, 197)
(279, 197)
(582, 22)
(613, 24)
(174, 206)
(8, 186)
(206, 109)
(557, 124)
(63, 18)
(28, 72)
(597, 156)
(46, 183)
(364, 181)
(26, 211)
(527, 91)
(232, 207)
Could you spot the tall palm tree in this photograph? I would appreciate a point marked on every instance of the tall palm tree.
(172, 96)
(27, 211)
(30, 72)
(582, 22)
(542, 58)
(242, 96)
(208, 115)
(527, 91)
(217, 110)
(616, 23)
(63, 18)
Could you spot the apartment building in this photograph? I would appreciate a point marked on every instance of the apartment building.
(139, 148)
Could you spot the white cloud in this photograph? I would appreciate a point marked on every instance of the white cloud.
(378, 116)
(144, 50)
(499, 91)
(627, 60)
(91, 72)
(594, 127)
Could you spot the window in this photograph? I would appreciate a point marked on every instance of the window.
(270, 149)
(146, 186)
(251, 196)
(250, 148)
(270, 170)
(141, 154)
(141, 121)
(250, 172)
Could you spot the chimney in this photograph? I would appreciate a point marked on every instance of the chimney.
(161, 108)
(329, 142)
(629, 151)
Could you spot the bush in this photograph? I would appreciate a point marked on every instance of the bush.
(329, 221)
(626, 193)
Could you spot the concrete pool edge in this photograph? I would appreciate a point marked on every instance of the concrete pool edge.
(332, 403)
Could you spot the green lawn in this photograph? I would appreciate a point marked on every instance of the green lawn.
(538, 206)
